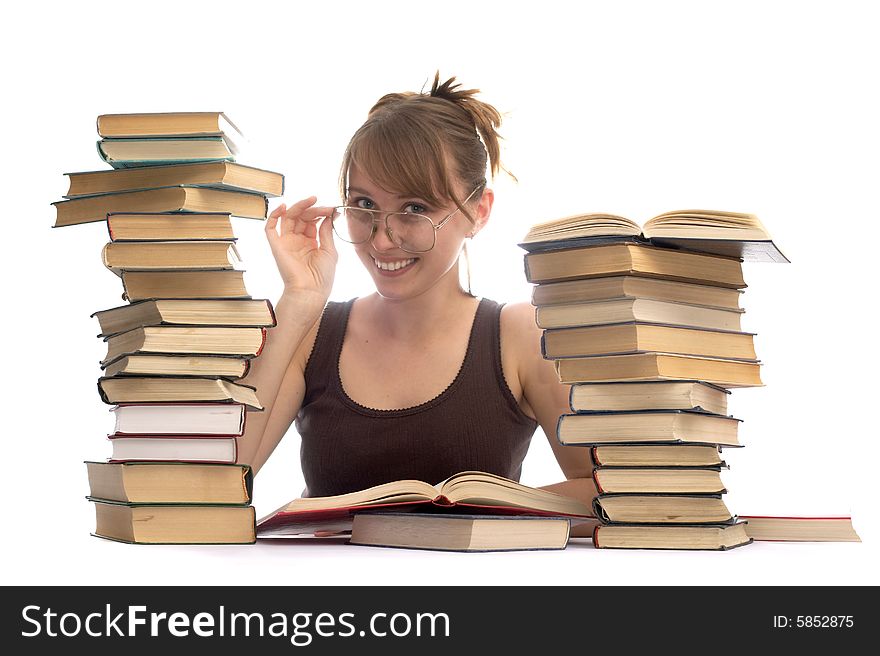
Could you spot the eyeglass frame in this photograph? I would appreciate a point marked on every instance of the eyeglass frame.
(388, 230)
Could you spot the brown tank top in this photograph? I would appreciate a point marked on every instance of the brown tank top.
(474, 424)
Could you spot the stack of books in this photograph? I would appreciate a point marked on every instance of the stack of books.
(644, 324)
(176, 351)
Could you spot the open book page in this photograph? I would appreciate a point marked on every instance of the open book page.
(582, 225)
(482, 489)
(404, 491)
(709, 224)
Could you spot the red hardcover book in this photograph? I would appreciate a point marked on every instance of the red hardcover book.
(469, 492)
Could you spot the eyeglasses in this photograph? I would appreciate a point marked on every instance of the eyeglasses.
(409, 231)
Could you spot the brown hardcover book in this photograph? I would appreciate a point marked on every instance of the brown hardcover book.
(221, 175)
(662, 455)
(178, 312)
(168, 124)
(170, 256)
(650, 426)
(651, 395)
(143, 285)
(642, 310)
(632, 258)
(189, 340)
(610, 288)
(658, 366)
(625, 338)
(661, 509)
(174, 524)
(731, 234)
(644, 480)
(708, 537)
(178, 365)
(469, 492)
(136, 389)
(164, 199)
(801, 529)
(170, 482)
(448, 532)
(169, 226)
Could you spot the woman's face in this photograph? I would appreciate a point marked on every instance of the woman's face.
(396, 273)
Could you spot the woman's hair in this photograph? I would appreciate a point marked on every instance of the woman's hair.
(421, 144)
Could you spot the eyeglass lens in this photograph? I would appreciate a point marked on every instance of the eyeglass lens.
(410, 232)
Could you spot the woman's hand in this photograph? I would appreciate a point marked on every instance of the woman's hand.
(302, 245)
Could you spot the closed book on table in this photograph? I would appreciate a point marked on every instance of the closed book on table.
(650, 395)
(186, 312)
(174, 524)
(624, 338)
(633, 258)
(220, 419)
(643, 480)
(190, 340)
(645, 310)
(658, 366)
(170, 482)
(661, 509)
(221, 175)
(665, 426)
(801, 529)
(181, 198)
(170, 255)
(183, 448)
(454, 532)
(169, 226)
(609, 288)
(703, 537)
(142, 285)
(137, 389)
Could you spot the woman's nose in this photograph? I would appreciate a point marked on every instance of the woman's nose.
(382, 240)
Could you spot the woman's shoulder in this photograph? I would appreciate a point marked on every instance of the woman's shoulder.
(520, 335)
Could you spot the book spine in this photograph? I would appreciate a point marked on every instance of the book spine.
(596, 537)
(594, 456)
(103, 394)
(558, 427)
(247, 368)
(544, 346)
(570, 396)
(263, 334)
(272, 313)
(595, 475)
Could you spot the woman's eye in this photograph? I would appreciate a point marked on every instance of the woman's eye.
(415, 208)
(364, 203)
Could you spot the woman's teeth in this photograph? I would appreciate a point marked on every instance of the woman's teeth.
(394, 266)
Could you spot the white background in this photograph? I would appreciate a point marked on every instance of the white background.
(629, 108)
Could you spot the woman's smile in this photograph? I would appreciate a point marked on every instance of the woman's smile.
(393, 266)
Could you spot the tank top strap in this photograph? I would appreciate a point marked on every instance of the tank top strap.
(487, 372)
(328, 340)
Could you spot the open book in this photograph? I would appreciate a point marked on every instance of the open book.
(730, 234)
(471, 491)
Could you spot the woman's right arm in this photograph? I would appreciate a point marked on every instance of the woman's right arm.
(306, 258)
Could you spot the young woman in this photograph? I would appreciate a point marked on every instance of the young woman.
(420, 379)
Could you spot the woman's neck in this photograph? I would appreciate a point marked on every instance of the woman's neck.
(411, 319)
